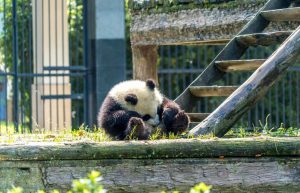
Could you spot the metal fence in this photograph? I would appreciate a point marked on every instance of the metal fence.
(180, 65)
(43, 67)
(280, 106)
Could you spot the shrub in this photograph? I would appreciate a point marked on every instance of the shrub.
(91, 185)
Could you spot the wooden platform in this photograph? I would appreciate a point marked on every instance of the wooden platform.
(261, 164)
(187, 22)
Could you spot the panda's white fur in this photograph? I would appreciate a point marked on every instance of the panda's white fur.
(148, 100)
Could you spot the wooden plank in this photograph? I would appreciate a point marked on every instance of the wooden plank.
(197, 117)
(232, 51)
(288, 14)
(239, 65)
(208, 91)
(160, 149)
(198, 42)
(263, 39)
(223, 118)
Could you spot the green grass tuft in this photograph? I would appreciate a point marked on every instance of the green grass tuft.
(85, 134)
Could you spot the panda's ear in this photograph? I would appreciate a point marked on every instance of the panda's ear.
(131, 98)
(150, 84)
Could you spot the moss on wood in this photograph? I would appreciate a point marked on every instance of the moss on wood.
(209, 25)
(169, 6)
(161, 149)
(263, 164)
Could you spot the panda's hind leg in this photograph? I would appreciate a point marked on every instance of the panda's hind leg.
(137, 129)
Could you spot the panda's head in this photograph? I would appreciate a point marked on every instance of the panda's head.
(139, 96)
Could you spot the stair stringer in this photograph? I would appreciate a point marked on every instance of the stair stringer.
(231, 51)
(241, 100)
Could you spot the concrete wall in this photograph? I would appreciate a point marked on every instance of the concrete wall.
(106, 27)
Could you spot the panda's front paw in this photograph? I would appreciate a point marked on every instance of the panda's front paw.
(137, 129)
(168, 116)
(179, 123)
(135, 122)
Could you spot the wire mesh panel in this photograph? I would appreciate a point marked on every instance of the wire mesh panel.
(43, 68)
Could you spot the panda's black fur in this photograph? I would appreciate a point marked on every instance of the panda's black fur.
(139, 105)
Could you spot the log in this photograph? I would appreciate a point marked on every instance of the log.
(160, 149)
(261, 164)
(226, 175)
(224, 117)
(144, 60)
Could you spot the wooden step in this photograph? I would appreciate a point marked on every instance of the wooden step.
(289, 14)
(197, 42)
(263, 39)
(197, 117)
(239, 65)
(207, 91)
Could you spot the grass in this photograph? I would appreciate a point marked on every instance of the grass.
(7, 127)
(82, 134)
(85, 134)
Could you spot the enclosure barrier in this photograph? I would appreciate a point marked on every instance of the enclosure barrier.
(262, 164)
(171, 26)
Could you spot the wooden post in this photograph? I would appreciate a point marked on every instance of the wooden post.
(223, 118)
(50, 50)
(145, 62)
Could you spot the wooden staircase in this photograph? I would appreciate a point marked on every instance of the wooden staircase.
(266, 71)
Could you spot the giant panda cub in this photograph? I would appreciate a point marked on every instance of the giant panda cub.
(136, 107)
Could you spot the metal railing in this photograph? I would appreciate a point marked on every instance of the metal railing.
(34, 88)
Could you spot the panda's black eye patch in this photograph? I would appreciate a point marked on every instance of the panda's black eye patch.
(131, 98)
(146, 117)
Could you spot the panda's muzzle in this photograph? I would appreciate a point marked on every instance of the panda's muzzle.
(146, 117)
(151, 121)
